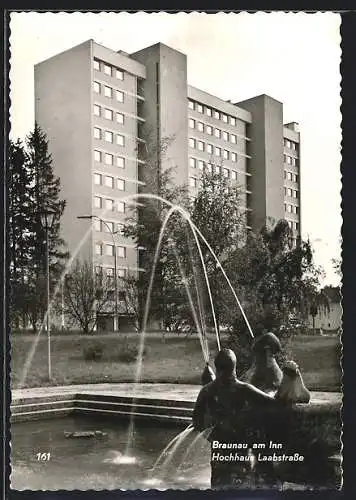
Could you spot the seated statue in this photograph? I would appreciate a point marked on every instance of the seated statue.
(222, 405)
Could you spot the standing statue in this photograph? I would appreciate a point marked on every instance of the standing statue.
(265, 372)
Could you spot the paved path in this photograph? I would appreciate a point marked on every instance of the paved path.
(180, 392)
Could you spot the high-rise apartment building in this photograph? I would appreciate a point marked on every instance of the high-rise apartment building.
(93, 104)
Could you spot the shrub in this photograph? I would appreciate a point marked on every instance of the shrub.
(93, 352)
(127, 353)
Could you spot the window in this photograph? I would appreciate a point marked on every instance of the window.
(288, 144)
(109, 181)
(109, 250)
(109, 204)
(121, 252)
(109, 136)
(108, 114)
(191, 123)
(98, 249)
(234, 157)
(297, 226)
(226, 154)
(192, 142)
(97, 225)
(294, 162)
(296, 210)
(218, 151)
(107, 69)
(217, 133)
(97, 179)
(285, 207)
(96, 65)
(217, 115)
(119, 96)
(285, 191)
(192, 182)
(209, 130)
(210, 168)
(119, 74)
(109, 227)
(289, 208)
(97, 133)
(199, 108)
(121, 207)
(208, 111)
(233, 138)
(232, 121)
(289, 176)
(120, 162)
(225, 136)
(289, 192)
(209, 148)
(192, 162)
(289, 160)
(191, 105)
(120, 228)
(121, 273)
(109, 271)
(201, 145)
(120, 140)
(121, 184)
(120, 118)
(96, 87)
(201, 165)
(97, 155)
(295, 178)
(233, 175)
(217, 169)
(109, 159)
(96, 110)
(107, 91)
(295, 194)
(98, 270)
(224, 118)
(200, 126)
(97, 202)
(226, 173)
(285, 174)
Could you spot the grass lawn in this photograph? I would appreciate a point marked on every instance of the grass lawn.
(175, 360)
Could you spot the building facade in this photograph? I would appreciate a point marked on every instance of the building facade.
(94, 104)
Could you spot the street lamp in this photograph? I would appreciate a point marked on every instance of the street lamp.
(47, 219)
(90, 217)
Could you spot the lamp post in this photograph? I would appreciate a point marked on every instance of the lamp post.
(47, 219)
(91, 217)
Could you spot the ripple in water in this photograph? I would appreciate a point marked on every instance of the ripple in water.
(115, 457)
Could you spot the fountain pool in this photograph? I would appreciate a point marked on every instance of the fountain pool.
(95, 463)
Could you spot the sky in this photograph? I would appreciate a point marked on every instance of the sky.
(293, 57)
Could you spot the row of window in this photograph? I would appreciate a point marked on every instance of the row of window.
(109, 271)
(109, 204)
(293, 225)
(210, 167)
(108, 136)
(108, 91)
(108, 226)
(218, 115)
(290, 144)
(291, 209)
(108, 158)
(209, 148)
(108, 181)
(290, 160)
(290, 176)
(218, 133)
(109, 250)
(291, 192)
(108, 69)
(109, 114)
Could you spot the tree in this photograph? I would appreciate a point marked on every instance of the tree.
(218, 213)
(19, 227)
(275, 282)
(86, 295)
(45, 189)
(145, 225)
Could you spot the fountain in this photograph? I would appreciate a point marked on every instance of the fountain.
(265, 372)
